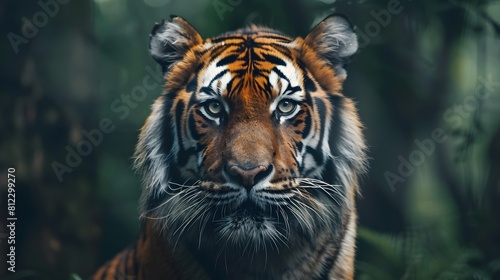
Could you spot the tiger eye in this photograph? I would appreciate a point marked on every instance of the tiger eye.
(286, 107)
(214, 107)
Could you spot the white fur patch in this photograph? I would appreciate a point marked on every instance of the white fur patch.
(155, 179)
(294, 78)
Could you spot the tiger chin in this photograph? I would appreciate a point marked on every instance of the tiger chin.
(250, 158)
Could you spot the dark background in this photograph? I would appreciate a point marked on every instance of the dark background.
(429, 209)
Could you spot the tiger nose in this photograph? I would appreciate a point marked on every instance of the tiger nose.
(248, 176)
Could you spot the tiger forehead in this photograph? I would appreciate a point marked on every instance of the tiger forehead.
(262, 63)
(254, 44)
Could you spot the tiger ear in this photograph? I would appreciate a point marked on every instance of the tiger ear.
(171, 39)
(335, 41)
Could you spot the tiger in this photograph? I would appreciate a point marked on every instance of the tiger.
(250, 158)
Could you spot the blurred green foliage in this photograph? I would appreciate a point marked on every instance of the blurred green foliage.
(417, 71)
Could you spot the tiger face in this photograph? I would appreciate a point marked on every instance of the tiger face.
(251, 147)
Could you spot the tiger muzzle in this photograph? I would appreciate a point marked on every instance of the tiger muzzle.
(248, 154)
(249, 176)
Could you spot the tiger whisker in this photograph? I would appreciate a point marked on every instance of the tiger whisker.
(174, 195)
(320, 216)
(328, 189)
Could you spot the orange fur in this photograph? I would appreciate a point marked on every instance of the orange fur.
(186, 155)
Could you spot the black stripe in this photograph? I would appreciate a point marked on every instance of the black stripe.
(336, 123)
(321, 109)
(297, 122)
(218, 76)
(193, 84)
(316, 153)
(274, 59)
(307, 125)
(167, 137)
(299, 145)
(283, 50)
(328, 266)
(217, 50)
(330, 260)
(199, 113)
(237, 87)
(264, 90)
(208, 91)
(182, 156)
(228, 59)
(223, 38)
(192, 125)
(278, 38)
(291, 90)
(253, 55)
(331, 175)
(277, 48)
(229, 85)
(309, 85)
(240, 73)
(280, 74)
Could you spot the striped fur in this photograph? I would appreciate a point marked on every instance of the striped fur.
(249, 159)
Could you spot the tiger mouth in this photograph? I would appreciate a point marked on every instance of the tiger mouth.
(241, 201)
(248, 208)
(230, 215)
(245, 209)
(246, 220)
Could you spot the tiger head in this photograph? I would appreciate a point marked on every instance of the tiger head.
(252, 142)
